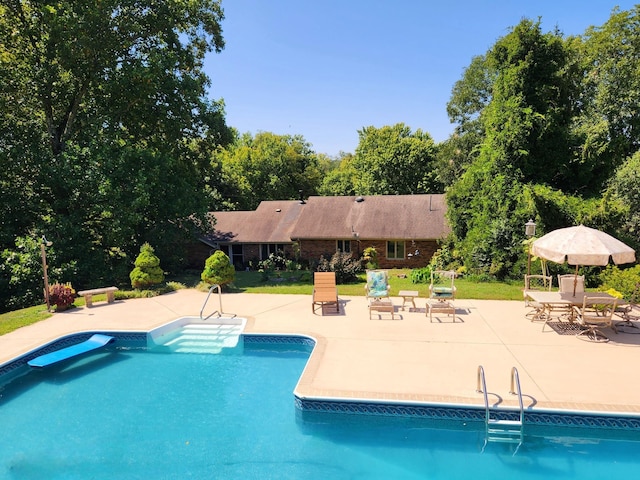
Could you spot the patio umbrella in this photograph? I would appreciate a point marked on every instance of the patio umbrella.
(582, 246)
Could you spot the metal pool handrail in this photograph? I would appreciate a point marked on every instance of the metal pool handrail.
(481, 387)
(219, 312)
(515, 382)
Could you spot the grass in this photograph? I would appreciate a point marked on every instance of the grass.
(11, 321)
(296, 283)
(399, 279)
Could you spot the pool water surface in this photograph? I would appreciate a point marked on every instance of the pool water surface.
(137, 414)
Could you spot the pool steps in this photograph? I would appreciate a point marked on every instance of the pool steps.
(200, 338)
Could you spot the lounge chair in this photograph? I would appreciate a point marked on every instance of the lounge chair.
(596, 312)
(377, 286)
(539, 283)
(324, 290)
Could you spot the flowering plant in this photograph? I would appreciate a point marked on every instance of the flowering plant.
(61, 295)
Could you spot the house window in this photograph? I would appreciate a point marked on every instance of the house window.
(235, 254)
(395, 250)
(343, 246)
(267, 249)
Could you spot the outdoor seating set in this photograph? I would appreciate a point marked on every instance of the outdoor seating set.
(577, 245)
(441, 294)
(586, 312)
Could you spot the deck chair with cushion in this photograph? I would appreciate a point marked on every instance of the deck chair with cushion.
(539, 283)
(325, 291)
(596, 312)
(377, 286)
(441, 286)
(442, 292)
(565, 283)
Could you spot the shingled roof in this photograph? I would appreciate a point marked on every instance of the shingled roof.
(382, 217)
(271, 222)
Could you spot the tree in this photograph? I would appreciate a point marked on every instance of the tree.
(106, 127)
(339, 179)
(147, 271)
(268, 167)
(469, 98)
(526, 124)
(609, 125)
(625, 186)
(393, 160)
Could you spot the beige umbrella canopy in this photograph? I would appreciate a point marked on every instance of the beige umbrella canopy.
(582, 246)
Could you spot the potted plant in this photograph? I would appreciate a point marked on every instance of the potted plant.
(61, 295)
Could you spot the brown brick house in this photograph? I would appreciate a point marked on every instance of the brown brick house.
(404, 229)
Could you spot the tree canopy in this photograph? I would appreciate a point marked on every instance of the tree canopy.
(106, 127)
(539, 134)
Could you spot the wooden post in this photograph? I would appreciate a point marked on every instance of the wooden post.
(45, 276)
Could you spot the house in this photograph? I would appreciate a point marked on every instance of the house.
(404, 229)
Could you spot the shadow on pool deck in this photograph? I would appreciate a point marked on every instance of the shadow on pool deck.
(406, 359)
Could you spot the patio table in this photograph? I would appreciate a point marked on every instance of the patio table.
(553, 300)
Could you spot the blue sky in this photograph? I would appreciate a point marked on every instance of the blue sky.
(326, 69)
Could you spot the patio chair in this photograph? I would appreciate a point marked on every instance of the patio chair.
(377, 286)
(566, 282)
(325, 291)
(441, 287)
(442, 292)
(539, 283)
(596, 312)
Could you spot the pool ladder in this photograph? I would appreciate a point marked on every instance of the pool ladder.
(499, 429)
(219, 312)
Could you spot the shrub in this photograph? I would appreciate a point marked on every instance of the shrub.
(343, 264)
(275, 261)
(370, 255)
(62, 296)
(147, 269)
(420, 275)
(626, 281)
(218, 269)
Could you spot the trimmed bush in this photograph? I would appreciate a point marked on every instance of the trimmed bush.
(147, 271)
(218, 270)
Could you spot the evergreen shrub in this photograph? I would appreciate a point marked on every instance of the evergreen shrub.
(147, 271)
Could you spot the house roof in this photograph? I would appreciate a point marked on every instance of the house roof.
(381, 217)
(271, 222)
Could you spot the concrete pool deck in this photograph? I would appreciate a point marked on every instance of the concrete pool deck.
(409, 359)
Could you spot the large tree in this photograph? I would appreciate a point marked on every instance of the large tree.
(267, 167)
(526, 124)
(609, 126)
(393, 160)
(105, 125)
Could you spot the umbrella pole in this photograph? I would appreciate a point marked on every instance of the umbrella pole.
(575, 281)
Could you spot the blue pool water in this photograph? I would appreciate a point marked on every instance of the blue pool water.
(134, 414)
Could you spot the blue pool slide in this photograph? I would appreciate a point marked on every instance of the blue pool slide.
(96, 341)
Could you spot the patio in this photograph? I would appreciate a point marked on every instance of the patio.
(406, 359)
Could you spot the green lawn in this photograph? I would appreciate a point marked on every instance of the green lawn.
(299, 283)
(296, 283)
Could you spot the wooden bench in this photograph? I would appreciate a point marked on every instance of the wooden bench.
(88, 294)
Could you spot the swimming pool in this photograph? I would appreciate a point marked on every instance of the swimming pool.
(135, 413)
